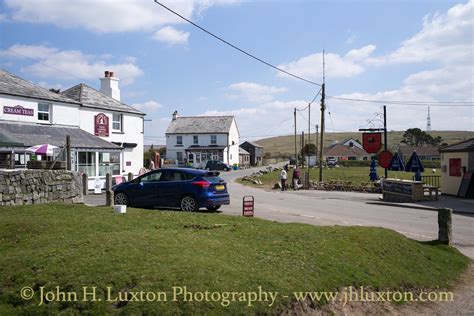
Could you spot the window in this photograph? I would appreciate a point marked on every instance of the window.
(213, 139)
(152, 177)
(195, 140)
(179, 140)
(86, 163)
(117, 122)
(109, 163)
(43, 112)
(179, 156)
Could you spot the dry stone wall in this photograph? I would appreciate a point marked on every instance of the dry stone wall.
(18, 187)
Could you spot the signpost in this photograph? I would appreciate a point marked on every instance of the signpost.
(248, 206)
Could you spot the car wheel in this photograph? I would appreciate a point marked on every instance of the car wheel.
(213, 208)
(121, 199)
(189, 204)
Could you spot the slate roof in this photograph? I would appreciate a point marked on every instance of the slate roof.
(464, 146)
(90, 97)
(253, 144)
(243, 151)
(200, 125)
(16, 86)
(420, 150)
(34, 134)
(340, 150)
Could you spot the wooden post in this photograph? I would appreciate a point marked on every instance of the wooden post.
(445, 230)
(130, 176)
(85, 184)
(12, 160)
(68, 152)
(109, 194)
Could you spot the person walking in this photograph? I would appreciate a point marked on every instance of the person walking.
(151, 166)
(283, 176)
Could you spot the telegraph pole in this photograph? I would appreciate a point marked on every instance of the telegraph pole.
(296, 145)
(309, 131)
(323, 107)
(302, 149)
(385, 134)
(316, 139)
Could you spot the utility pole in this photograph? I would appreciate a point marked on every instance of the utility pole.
(296, 145)
(316, 139)
(385, 134)
(323, 107)
(302, 149)
(309, 131)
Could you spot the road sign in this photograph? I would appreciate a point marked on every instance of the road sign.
(385, 158)
(248, 206)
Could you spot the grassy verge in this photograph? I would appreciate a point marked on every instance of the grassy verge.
(355, 175)
(148, 250)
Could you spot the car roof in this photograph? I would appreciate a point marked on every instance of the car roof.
(188, 170)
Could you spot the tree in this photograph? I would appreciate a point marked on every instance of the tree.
(309, 149)
(417, 137)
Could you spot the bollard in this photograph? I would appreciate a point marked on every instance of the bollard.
(445, 231)
(109, 194)
(130, 176)
(85, 184)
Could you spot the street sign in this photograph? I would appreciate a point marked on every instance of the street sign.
(248, 206)
(385, 158)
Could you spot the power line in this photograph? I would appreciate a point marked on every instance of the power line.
(414, 103)
(48, 66)
(237, 48)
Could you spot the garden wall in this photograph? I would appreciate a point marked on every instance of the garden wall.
(18, 187)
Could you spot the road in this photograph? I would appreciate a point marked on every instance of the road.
(345, 208)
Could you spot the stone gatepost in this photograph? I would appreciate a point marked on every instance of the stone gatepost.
(445, 231)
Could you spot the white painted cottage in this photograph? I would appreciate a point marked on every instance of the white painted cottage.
(194, 140)
(106, 134)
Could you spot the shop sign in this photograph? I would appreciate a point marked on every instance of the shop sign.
(372, 142)
(101, 125)
(18, 110)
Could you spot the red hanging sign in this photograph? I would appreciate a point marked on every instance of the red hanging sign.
(372, 142)
(101, 125)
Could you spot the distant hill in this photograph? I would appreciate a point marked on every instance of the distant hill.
(285, 145)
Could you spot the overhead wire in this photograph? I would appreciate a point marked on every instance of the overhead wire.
(236, 47)
(414, 103)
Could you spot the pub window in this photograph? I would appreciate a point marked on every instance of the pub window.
(86, 163)
(117, 122)
(179, 140)
(109, 163)
(179, 156)
(43, 112)
(213, 139)
(196, 140)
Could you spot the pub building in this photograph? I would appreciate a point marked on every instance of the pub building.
(106, 135)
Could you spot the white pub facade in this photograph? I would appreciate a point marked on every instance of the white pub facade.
(106, 134)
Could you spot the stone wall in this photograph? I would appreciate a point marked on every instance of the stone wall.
(18, 187)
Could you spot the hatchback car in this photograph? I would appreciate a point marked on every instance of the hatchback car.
(217, 165)
(187, 189)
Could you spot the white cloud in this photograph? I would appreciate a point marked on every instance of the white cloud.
(254, 92)
(311, 66)
(171, 36)
(147, 107)
(106, 16)
(54, 63)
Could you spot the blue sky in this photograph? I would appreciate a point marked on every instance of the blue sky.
(375, 50)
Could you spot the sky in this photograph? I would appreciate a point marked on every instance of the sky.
(410, 51)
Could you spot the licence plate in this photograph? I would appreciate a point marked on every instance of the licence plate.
(220, 187)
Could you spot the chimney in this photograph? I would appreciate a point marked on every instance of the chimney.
(109, 85)
(175, 115)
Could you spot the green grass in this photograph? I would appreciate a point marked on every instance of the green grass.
(72, 246)
(355, 175)
(285, 145)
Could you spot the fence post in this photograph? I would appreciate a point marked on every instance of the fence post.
(445, 231)
(109, 194)
(130, 176)
(85, 184)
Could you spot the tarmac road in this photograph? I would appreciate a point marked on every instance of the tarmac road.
(345, 208)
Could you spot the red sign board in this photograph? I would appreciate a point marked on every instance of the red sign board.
(372, 142)
(101, 125)
(18, 110)
(385, 158)
(248, 206)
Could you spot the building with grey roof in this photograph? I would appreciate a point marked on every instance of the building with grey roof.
(106, 134)
(194, 140)
(255, 151)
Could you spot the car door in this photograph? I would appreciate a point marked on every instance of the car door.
(146, 191)
(170, 187)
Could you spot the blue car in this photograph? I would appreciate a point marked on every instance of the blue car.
(187, 189)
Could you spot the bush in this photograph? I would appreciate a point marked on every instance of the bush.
(354, 163)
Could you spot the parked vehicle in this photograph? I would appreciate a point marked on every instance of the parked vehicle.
(184, 188)
(331, 162)
(217, 165)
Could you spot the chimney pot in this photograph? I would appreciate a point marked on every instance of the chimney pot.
(106, 73)
(111, 74)
(175, 115)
